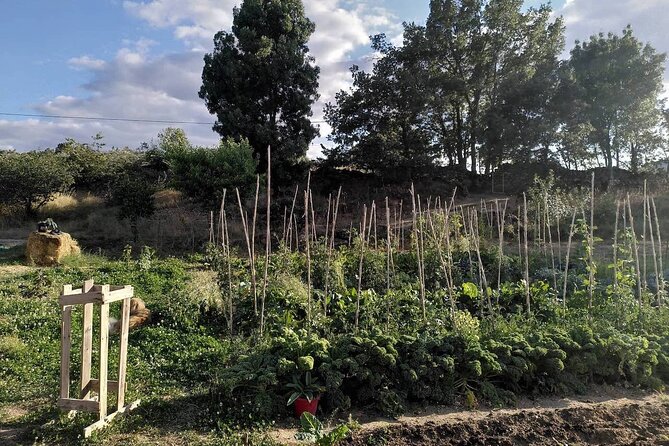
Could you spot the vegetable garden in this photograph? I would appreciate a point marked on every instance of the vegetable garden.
(415, 302)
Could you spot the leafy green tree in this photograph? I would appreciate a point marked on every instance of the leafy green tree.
(132, 191)
(32, 179)
(203, 173)
(489, 59)
(88, 165)
(380, 125)
(474, 86)
(260, 81)
(615, 83)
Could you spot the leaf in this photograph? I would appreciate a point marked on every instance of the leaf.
(293, 397)
(310, 423)
(470, 290)
(334, 436)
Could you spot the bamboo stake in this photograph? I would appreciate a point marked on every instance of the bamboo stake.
(327, 222)
(226, 249)
(449, 254)
(307, 247)
(615, 247)
(418, 249)
(421, 233)
(550, 242)
(362, 256)
(653, 250)
(211, 227)
(376, 242)
(520, 238)
(389, 256)
(253, 241)
(225, 243)
(313, 219)
(401, 228)
(292, 208)
(465, 230)
(527, 259)
(248, 249)
(268, 239)
(644, 238)
(329, 251)
(484, 280)
(591, 244)
(559, 238)
(566, 263)
(283, 232)
(635, 248)
(297, 234)
(661, 282)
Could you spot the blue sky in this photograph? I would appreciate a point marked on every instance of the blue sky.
(142, 59)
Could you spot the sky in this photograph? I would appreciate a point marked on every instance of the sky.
(142, 59)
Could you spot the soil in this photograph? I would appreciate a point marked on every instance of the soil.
(614, 417)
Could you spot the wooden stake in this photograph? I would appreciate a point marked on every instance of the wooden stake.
(566, 264)
(268, 240)
(362, 256)
(527, 259)
(635, 250)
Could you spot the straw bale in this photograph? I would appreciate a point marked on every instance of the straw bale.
(46, 249)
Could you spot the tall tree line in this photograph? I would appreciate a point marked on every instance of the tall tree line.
(481, 83)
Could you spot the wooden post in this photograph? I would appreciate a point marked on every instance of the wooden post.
(123, 354)
(65, 346)
(87, 343)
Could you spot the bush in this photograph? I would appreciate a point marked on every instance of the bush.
(203, 173)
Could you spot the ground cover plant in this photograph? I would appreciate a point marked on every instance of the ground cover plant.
(398, 309)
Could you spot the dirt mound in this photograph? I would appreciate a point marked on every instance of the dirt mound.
(46, 249)
(629, 424)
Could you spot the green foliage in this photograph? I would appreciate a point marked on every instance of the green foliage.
(204, 173)
(260, 81)
(32, 179)
(310, 389)
(611, 86)
(311, 430)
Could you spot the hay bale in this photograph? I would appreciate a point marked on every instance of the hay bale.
(45, 249)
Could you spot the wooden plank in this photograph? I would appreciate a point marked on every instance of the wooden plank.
(108, 419)
(86, 344)
(81, 298)
(76, 404)
(120, 294)
(65, 347)
(98, 288)
(93, 385)
(98, 297)
(123, 355)
(104, 358)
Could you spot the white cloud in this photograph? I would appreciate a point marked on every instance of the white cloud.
(86, 63)
(135, 84)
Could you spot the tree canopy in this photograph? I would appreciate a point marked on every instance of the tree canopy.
(260, 81)
(33, 179)
(613, 86)
(481, 84)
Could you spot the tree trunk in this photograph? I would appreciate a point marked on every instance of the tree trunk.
(634, 161)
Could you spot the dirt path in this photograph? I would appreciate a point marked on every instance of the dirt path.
(610, 417)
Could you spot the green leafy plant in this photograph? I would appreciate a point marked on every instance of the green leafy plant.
(309, 389)
(312, 431)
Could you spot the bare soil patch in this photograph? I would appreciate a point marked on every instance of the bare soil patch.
(606, 416)
(616, 422)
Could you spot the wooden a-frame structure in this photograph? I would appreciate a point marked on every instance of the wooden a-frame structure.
(91, 296)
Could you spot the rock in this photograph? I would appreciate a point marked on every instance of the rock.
(46, 249)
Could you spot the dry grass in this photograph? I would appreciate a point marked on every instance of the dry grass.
(167, 198)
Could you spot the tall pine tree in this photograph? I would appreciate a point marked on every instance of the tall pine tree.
(260, 81)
